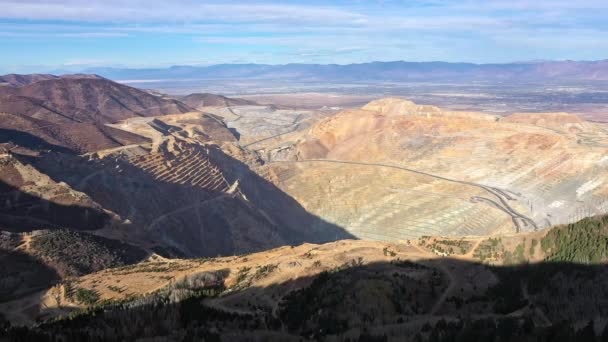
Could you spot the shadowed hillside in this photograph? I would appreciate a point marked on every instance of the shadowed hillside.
(22, 212)
(22, 274)
(74, 253)
(358, 302)
(30, 141)
(194, 200)
(348, 291)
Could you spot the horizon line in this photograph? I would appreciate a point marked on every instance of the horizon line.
(56, 70)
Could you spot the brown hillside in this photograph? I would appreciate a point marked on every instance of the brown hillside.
(71, 111)
(91, 100)
(17, 80)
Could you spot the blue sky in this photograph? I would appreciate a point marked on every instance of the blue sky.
(37, 35)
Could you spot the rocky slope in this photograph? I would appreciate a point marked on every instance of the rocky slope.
(201, 100)
(32, 200)
(256, 123)
(87, 184)
(395, 169)
(171, 196)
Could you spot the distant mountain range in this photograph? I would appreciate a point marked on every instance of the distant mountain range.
(19, 80)
(376, 71)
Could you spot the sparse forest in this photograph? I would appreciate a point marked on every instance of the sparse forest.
(78, 253)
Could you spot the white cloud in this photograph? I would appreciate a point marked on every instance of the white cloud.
(92, 34)
(490, 30)
(193, 17)
(537, 4)
(62, 35)
(171, 11)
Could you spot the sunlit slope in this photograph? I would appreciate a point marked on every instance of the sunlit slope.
(425, 171)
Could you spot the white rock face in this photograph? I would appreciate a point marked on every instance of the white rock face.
(588, 186)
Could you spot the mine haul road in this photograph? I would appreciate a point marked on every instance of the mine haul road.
(519, 220)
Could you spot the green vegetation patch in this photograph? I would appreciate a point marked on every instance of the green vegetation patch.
(515, 257)
(490, 249)
(86, 296)
(452, 246)
(245, 278)
(533, 245)
(585, 242)
(387, 252)
(355, 295)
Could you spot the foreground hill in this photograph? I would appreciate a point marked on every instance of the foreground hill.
(399, 170)
(357, 290)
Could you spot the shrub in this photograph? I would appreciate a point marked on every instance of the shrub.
(86, 296)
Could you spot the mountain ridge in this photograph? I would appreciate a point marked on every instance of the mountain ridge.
(72, 110)
(376, 71)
